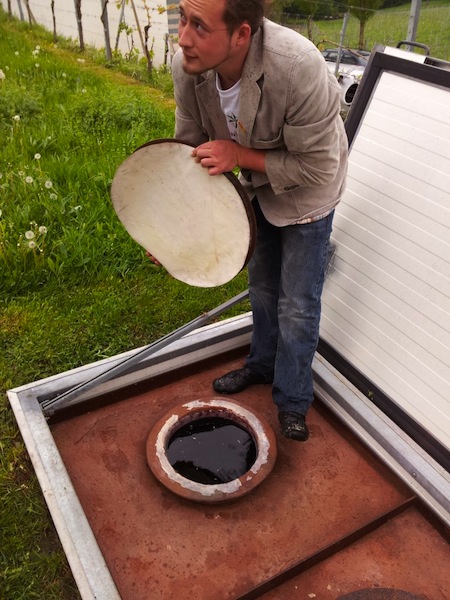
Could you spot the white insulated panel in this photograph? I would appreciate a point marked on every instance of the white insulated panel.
(386, 303)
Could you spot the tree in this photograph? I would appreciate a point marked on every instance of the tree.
(390, 3)
(363, 10)
(274, 8)
(105, 22)
(321, 8)
(308, 8)
(79, 23)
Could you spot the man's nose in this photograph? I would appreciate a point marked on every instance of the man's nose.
(184, 36)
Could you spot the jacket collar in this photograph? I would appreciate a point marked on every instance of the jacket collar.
(250, 90)
(250, 93)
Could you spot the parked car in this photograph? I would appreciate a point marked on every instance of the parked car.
(351, 68)
(355, 58)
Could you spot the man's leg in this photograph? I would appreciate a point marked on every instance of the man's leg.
(304, 260)
(264, 277)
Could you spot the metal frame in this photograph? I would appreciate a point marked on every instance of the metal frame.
(429, 70)
(84, 556)
(64, 399)
(436, 72)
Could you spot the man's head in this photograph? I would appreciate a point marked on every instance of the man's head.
(216, 35)
(241, 11)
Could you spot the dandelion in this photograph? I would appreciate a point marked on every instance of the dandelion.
(16, 118)
(33, 239)
(29, 179)
(0, 212)
(48, 184)
(2, 75)
(83, 91)
(53, 196)
(64, 75)
(38, 48)
(16, 53)
(35, 52)
(37, 65)
(81, 60)
(37, 156)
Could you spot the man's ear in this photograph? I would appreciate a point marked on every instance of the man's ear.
(244, 33)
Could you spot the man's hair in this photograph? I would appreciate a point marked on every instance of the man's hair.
(239, 11)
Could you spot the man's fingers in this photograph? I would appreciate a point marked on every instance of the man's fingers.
(154, 260)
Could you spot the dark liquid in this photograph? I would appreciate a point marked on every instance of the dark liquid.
(211, 450)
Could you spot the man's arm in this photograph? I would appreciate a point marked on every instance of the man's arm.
(313, 131)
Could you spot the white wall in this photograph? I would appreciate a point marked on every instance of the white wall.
(66, 23)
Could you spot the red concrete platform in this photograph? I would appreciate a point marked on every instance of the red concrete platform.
(160, 546)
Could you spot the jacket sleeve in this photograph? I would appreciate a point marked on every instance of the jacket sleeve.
(313, 130)
(188, 126)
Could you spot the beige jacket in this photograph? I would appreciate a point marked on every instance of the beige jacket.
(289, 106)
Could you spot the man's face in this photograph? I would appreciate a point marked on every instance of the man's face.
(203, 36)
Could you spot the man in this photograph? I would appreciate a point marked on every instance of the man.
(258, 96)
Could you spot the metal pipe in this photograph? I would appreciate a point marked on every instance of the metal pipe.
(49, 406)
(341, 43)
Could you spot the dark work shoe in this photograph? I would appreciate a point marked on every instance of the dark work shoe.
(237, 381)
(293, 426)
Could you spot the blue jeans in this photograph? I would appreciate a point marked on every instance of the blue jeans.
(286, 275)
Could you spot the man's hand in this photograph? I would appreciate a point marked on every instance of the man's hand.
(218, 156)
(222, 156)
(154, 260)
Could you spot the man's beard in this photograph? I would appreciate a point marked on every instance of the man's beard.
(195, 68)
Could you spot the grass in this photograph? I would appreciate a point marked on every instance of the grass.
(73, 287)
(64, 139)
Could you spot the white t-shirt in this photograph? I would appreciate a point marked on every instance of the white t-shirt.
(229, 102)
